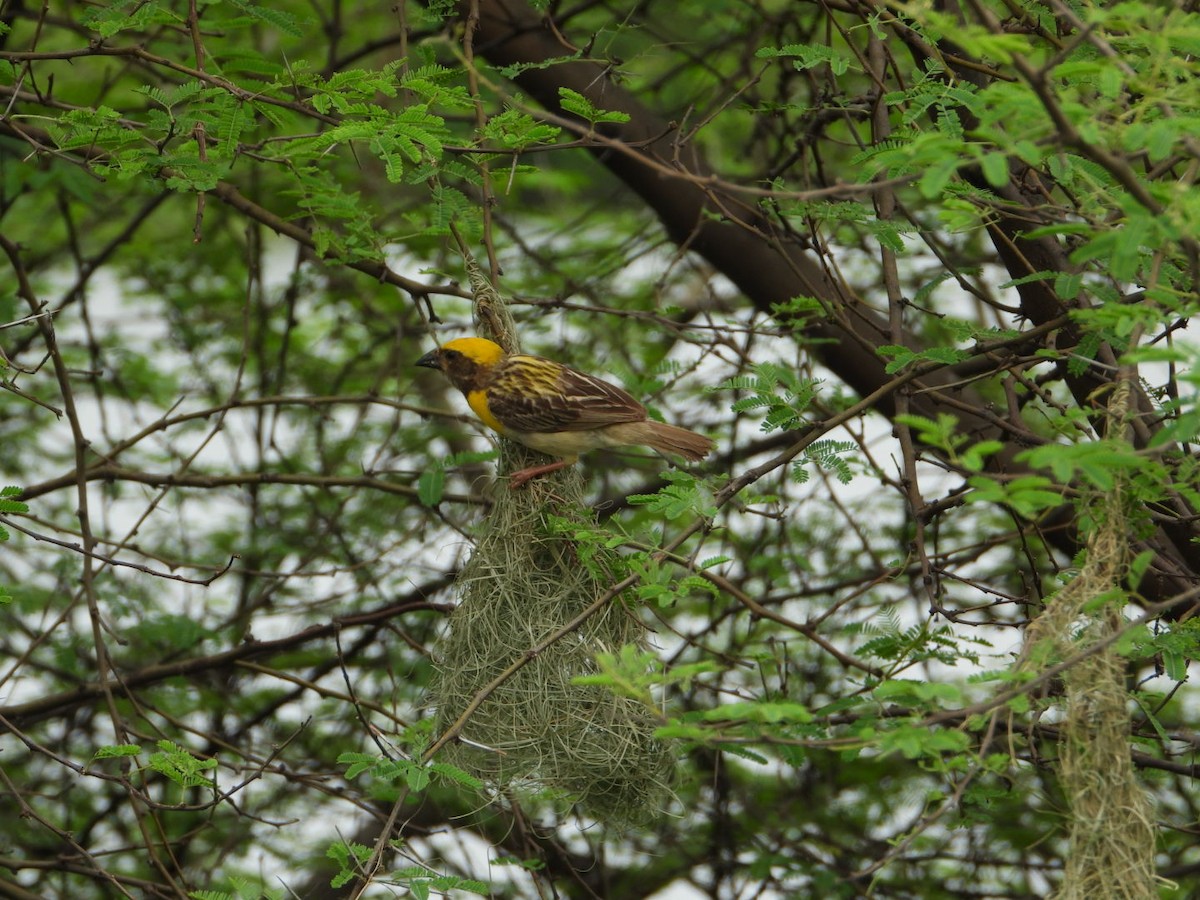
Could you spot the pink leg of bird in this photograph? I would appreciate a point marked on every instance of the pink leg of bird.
(517, 479)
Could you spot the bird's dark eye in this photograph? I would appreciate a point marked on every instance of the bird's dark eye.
(451, 354)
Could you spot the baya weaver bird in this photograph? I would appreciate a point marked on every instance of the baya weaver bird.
(552, 408)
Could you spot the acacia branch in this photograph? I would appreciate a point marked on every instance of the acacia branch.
(22, 715)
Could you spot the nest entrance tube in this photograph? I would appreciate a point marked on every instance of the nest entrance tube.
(524, 582)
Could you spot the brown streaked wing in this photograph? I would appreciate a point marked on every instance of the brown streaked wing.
(532, 394)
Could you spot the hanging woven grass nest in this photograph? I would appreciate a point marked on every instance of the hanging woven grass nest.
(1111, 823)
(537, 730)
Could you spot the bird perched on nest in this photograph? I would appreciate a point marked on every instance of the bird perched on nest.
(553, 408)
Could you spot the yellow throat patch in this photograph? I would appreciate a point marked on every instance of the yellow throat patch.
(477, 400)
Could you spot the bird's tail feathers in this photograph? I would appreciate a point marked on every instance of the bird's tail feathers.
(667, 439)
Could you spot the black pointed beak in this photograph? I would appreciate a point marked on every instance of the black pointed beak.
(431, 360)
